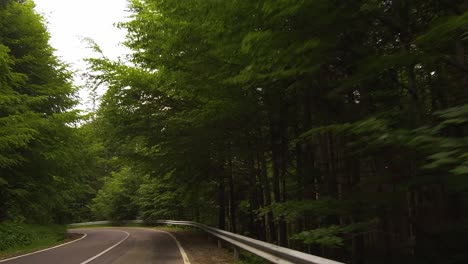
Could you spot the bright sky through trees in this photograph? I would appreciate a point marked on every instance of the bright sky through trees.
(70, 21)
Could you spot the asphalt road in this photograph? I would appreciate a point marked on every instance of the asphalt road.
(111, 245)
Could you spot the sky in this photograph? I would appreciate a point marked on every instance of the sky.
(69, 21)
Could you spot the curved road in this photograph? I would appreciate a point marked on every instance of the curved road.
(111, 245)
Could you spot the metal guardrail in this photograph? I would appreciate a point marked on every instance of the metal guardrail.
(270, 252)
(106, 223)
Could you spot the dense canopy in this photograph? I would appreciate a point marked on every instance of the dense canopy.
(339, 128)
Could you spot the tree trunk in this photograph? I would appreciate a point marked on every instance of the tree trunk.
(267, 194)
(232, 199)
(221, 202)
(257, 224)
(461, 60)
(278, 167)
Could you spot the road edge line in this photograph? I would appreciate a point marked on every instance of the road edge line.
(179, 245)
(46, 249)
(108, 249)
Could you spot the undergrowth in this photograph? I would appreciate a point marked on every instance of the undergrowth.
(16, 237)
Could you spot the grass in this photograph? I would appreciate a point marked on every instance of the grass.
(249, 258)
(17, 239)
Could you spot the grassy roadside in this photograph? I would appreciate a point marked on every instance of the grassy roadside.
(17, 239)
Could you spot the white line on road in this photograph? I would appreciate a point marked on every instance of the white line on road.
(39, 251)
(107, 250)
(181, 249)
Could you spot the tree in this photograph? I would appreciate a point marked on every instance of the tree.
(36, 120)
(336, 128)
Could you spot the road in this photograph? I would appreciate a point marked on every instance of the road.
(111, 245)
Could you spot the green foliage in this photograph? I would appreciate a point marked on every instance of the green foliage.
(340, 124)
(249, 258)
(38, 140)
(116, 200)
(331, 236)
(445, 146)
(157, 200)
(19, 236)
(295, 210)
(327, 236)
(447, 28)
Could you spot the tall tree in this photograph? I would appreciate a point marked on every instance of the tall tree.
(36, 123)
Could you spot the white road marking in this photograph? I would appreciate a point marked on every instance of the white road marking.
(39, 251)
(181, 249)
(107, 250)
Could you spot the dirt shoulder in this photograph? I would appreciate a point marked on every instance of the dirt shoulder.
(200, 248)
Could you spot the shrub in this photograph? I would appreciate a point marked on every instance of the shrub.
(14, 235)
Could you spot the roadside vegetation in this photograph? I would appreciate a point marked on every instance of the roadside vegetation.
(23, 238)
(247, 258)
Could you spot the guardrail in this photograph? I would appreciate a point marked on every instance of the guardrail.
(107, 223)
(270, 252)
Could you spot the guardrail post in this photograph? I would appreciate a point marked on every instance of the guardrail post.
(219, 244)
(236, 253)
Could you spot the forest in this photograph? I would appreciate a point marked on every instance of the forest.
(337, 128)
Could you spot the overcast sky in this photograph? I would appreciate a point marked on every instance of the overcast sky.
(69, 21)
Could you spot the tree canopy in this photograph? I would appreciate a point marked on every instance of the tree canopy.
(338, 128)
(333, 127)
(42, 169)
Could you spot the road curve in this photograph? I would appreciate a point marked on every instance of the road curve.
(110, 245)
